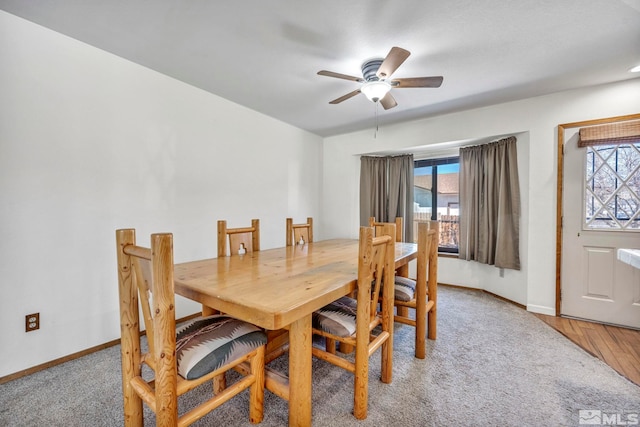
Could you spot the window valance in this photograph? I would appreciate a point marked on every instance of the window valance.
(609, 134)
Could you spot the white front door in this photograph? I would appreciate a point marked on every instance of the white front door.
(601, 200)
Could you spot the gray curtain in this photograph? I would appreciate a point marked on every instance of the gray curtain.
(373, 189)
(401, 193)
(386, 190)
(490, 204)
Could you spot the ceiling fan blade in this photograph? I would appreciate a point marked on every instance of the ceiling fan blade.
(339, 76)
(345, 97)
(394, 59)
(434, 81)
(388, 101)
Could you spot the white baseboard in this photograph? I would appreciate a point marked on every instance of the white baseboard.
(541, 309)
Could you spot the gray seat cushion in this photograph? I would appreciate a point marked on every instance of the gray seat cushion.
(405, 288)
(337, 318)
(204, 345)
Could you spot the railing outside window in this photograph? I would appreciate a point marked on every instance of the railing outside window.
(449, 226)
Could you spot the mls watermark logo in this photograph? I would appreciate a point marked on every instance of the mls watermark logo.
(590, 416)
(601, 418)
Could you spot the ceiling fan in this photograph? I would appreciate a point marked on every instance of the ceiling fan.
(376, 79)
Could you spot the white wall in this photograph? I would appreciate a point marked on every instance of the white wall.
(534, 121)
(89, 143)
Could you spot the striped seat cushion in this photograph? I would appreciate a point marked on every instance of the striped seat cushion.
(204, 345)
(337, 318)
(405, 288)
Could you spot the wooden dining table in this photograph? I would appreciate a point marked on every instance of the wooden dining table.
(281, 288)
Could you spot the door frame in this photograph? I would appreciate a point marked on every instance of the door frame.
(559, 194)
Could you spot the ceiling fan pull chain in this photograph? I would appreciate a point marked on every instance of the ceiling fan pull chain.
(375, 134)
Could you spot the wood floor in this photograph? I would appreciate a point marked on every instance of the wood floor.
(617, 347)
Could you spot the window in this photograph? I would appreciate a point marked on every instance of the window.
(612, 187)
(435, 197)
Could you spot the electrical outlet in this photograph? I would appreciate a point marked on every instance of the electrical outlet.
(32, 322)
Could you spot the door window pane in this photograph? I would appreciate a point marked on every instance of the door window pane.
(612, 187)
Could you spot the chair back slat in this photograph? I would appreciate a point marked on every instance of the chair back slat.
(143, 276)
(376, 260)
(299, 233)
(378, 272)
(378, 227)
(428, 235)
(234, 241)
(427, 239)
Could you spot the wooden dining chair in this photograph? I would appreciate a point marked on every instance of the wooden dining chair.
(240, 240)
(235, 241)
(419, 294)
(183, 358)
(354, 321)
(299, 233)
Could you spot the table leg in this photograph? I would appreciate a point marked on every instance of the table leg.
(300, 342)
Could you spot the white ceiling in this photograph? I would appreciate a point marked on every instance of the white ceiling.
(265, 54)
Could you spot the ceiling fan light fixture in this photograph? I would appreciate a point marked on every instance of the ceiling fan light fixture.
(376, 81)
(375, 90)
